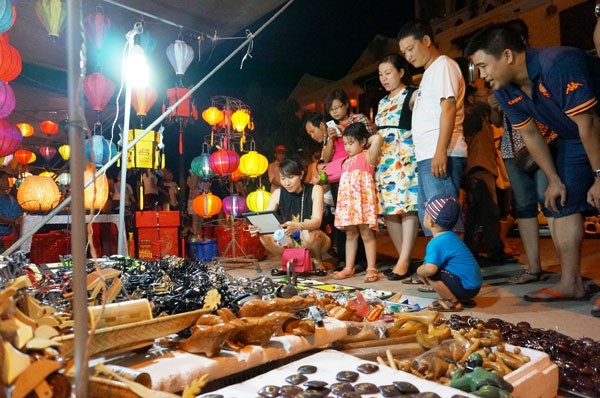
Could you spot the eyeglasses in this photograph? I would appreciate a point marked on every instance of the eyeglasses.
(333, 109)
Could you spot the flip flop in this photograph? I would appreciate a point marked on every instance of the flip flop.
(343, 274)
(413, 280)
(553, 296)
(445, 305)
(426, 289)
(596, 311)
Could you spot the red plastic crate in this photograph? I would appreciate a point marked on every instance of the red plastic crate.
(250, 244)
(46, 248)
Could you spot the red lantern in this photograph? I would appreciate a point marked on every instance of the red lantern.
(226, 121)
(10, 137)
(207, 205)
(186, 108)
(48, 152)
(142, 99)
(10, 60)
(98, 89)
(224, 161)
(96, 26)
(23, 156)
(49, 127)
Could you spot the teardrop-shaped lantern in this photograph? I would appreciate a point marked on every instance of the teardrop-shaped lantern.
(180, 56)
(235, 205)
(23, 156)
(224, 161)
(52, 14)
(207, 205)
(240, 119)
(10, 137)
(258, 200)
(212, 115)
(65, 151)
(7, 100)
(48, 152)
(64, 179)
(142, 99)
(102, 148)
(26, 129)
(98, 89)
(96, 27)
(50, 174)
(147, 42)
(38, 193)
(254, 164)
(5, 160)
(10, 60)
(6, 15)
(49, 127)
(201, 166)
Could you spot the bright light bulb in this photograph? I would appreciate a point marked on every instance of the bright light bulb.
(138, 71)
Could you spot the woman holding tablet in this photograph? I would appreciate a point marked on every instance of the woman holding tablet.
(300, 209)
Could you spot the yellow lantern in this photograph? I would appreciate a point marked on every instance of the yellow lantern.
(65, 151)
(26, 129)
(258, 200)
(38, 193)
(50, 174)
(253, 164)
(52, 14)
(240, 119)
(33, 158)
(96, 194)
(212, 115)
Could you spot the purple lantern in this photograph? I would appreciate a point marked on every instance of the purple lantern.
(235, 205)
(10, 137)
(7, 100)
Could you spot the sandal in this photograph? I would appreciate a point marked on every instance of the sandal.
(371, 276)
(426, 289)
(525, 277)
(445, 305)
(413, 280)
(343, 274)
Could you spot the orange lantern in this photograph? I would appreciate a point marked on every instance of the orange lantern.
(142, 99)
(212, 115)
(240, 119)
(253, 164)
(49, 127)
(38, 193)
(207, 205)
(96, 194)
(23, 156)
(10, 60)
(237, 174)
(26, 129)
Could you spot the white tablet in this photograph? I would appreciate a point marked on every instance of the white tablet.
(267, 221)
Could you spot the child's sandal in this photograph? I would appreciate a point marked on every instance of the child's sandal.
(371, 276)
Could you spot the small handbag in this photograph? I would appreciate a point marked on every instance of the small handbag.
(300, 257)
(333, 170)
(522, 156)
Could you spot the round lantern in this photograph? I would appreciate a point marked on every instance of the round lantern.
(64, 179)
(212, 115)
(253, 164)
(258, 200)
(180, 56)
(48, 152)
(95, 195)
(6, 15)
(38, 193)
(206, 205)
(98, 89)
(10, 137)
(49, 127)
(65, 151)
(240, 119)
(23, 156)
(235, 205)
(50, 174)
(201, 166)
(11, 63)
(224, 161)
(237, 175)
(102, 148)
(52, 14)
(7, 99)
(26, 129)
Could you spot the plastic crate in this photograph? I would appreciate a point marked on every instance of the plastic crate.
(7, 241)
(203, 250)
(46, 248)
(250, 245)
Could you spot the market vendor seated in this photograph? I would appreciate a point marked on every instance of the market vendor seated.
(9, 208)
(300, 208)
(449, 266)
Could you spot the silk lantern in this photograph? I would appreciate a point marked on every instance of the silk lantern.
(253, 164)
(52, 14)
(10, 137)
(6, 15)
(96, 26)
(46, 173)
(224, 161)
(65, 151)
(207, 205)
(180, 56)
(212, 115)
(5, 160)
(237, 174)
(49, 127)
(38, 193)
(102, 149)
(26, 129)
(7, 99)
(48, 152)
(201, 166)
(98, 89)
(258, 200)
(23, 156)
(235, 205)
(64, 179)
(147, 42)
(240, 119)
(96, 194)
(10, 60)
(186, 109)
(142, 99)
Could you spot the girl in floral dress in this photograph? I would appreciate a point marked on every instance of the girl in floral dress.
(356, 210)
(395, 175)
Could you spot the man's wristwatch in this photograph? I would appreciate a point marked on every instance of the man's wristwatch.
(597, 11)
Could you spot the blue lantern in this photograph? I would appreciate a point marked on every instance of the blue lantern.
(6, 15)
(103, 149)
(201, 166)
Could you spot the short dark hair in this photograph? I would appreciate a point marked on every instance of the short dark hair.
(494, 39)
(400, 63)
(315, 118)
(417, 29)
(291, 167)
(339, 95)
(358, 131)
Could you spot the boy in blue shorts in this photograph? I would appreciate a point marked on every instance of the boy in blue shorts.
(449, 266)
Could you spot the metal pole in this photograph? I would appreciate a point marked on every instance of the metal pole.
(75, 73)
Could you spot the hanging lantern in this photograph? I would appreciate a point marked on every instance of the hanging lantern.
(240, 119)
(50, 174)
(49, 127)
(65, 151)
(6, 15)
(23, 156)
(64, 179)
(147, 42)
(95, 195)
(212, 115)
(98, 89)
(235, 205)
(253, 164)
(224, 161)
(26, 129)
(145, 154)
(142, 99)
(48, 152)
(10, 137)
(5, 160)
(180, 56)
(186, 109)
(206, 205)
(96, 26)
(7, 99)
(10, 60)
(237, 174)
(201, 166)
(52, 14)
(102, 148)
(38, 193)
(258, 200)
(226, 119)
